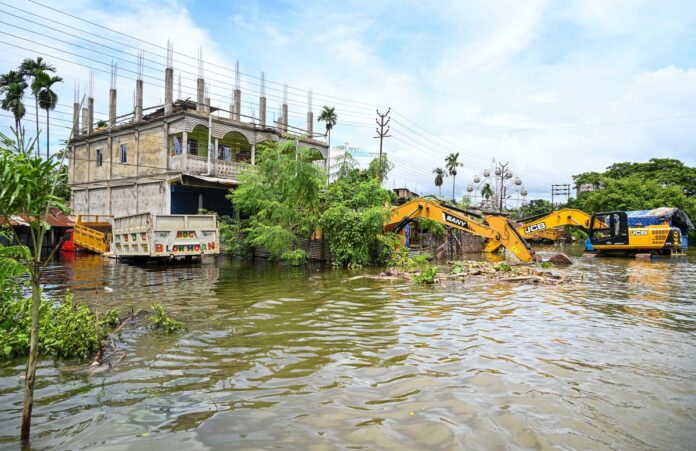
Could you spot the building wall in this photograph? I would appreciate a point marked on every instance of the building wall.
(123, 200)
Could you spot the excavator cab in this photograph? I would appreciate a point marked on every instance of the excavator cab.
(660, 231)
(610, 228)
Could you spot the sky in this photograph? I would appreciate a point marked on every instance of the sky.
(552, 88)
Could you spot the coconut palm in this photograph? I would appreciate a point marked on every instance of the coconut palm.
(439, 179)
(48, 99)
(452, 164)
(487, 191)
(12, 86)
(328, 116)
(29, 69)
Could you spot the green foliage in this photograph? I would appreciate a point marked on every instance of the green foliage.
(661, 182)
(66, 330)
(504, 267)
(26, 181)
(295, 258)
(160, 320)
(434, 228)
(379, 168)
(354, 215)
(427, 276)
(458, 268)
(535, 207)
(546, 265)
(280, 197)
(110, 319)
(400, 258)
(422, 259)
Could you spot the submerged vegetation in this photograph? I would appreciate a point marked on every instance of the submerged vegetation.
(159, 319)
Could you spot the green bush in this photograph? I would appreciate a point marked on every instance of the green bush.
(427, 276)
(504, 267)
(296, 257)
(160, 320)
(65, 330)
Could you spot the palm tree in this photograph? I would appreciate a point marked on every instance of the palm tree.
(48, 99)
(439, 178)
(452, 164)
(12, 85)
(487, 191)
(29, 69)
(328, 116)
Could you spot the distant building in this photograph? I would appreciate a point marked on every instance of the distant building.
(404, 194)
(162, 163)
(587, 188)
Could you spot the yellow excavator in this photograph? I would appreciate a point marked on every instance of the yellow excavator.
(497, 230)
(662, 231)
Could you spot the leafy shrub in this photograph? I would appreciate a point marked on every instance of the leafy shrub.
(160, 320)
(434, 228)
(295, 258)
(504, 267)
(65, 329)
(423, 259)
(110, 319)
(426, 276)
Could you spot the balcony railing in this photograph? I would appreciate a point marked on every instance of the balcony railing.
(196, 165)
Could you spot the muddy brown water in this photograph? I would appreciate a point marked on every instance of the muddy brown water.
(278, 357)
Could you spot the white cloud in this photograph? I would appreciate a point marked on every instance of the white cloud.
(524, 82)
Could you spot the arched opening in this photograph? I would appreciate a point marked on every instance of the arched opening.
(198, 141)
(234, 147)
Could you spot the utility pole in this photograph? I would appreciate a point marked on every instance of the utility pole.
(560, 190)
(382, 133)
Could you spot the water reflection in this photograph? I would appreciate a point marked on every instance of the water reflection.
(300, 357)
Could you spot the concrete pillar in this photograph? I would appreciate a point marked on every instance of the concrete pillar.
(112, 107)
(138, 100)
(200, 92)
(253, 154)
(184, 151)
(262, 112)
(232, 111)
(90, 115)
(310, 124)
(216, 143)
(85, 118)
(76, 119)
(206, 106)
(168, 90)
(237, 104)
(284, 119)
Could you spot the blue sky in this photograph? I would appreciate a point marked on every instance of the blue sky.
(555, 88)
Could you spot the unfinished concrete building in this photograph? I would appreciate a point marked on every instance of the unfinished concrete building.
(177, 159)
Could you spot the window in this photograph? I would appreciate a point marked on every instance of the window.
(224, 153)
(175, 144)
(124, 153)
(193, 147)
(100, 157)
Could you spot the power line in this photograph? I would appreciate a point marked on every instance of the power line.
(178, 53)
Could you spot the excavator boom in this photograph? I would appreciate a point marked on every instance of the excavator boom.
(558, 218)
(496, 229)
(553, 220)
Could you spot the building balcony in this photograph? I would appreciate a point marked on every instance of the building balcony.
(196, 165)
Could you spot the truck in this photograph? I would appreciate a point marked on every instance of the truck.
(148, 235)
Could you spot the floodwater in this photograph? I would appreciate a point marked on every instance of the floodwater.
(278, 357)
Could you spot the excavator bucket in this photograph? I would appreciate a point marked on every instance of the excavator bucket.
(510, 238)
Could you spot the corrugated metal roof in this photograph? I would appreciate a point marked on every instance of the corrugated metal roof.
(55, 218)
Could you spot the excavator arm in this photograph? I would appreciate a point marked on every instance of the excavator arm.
(553, 220)
(495, 229)
(558, 218)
